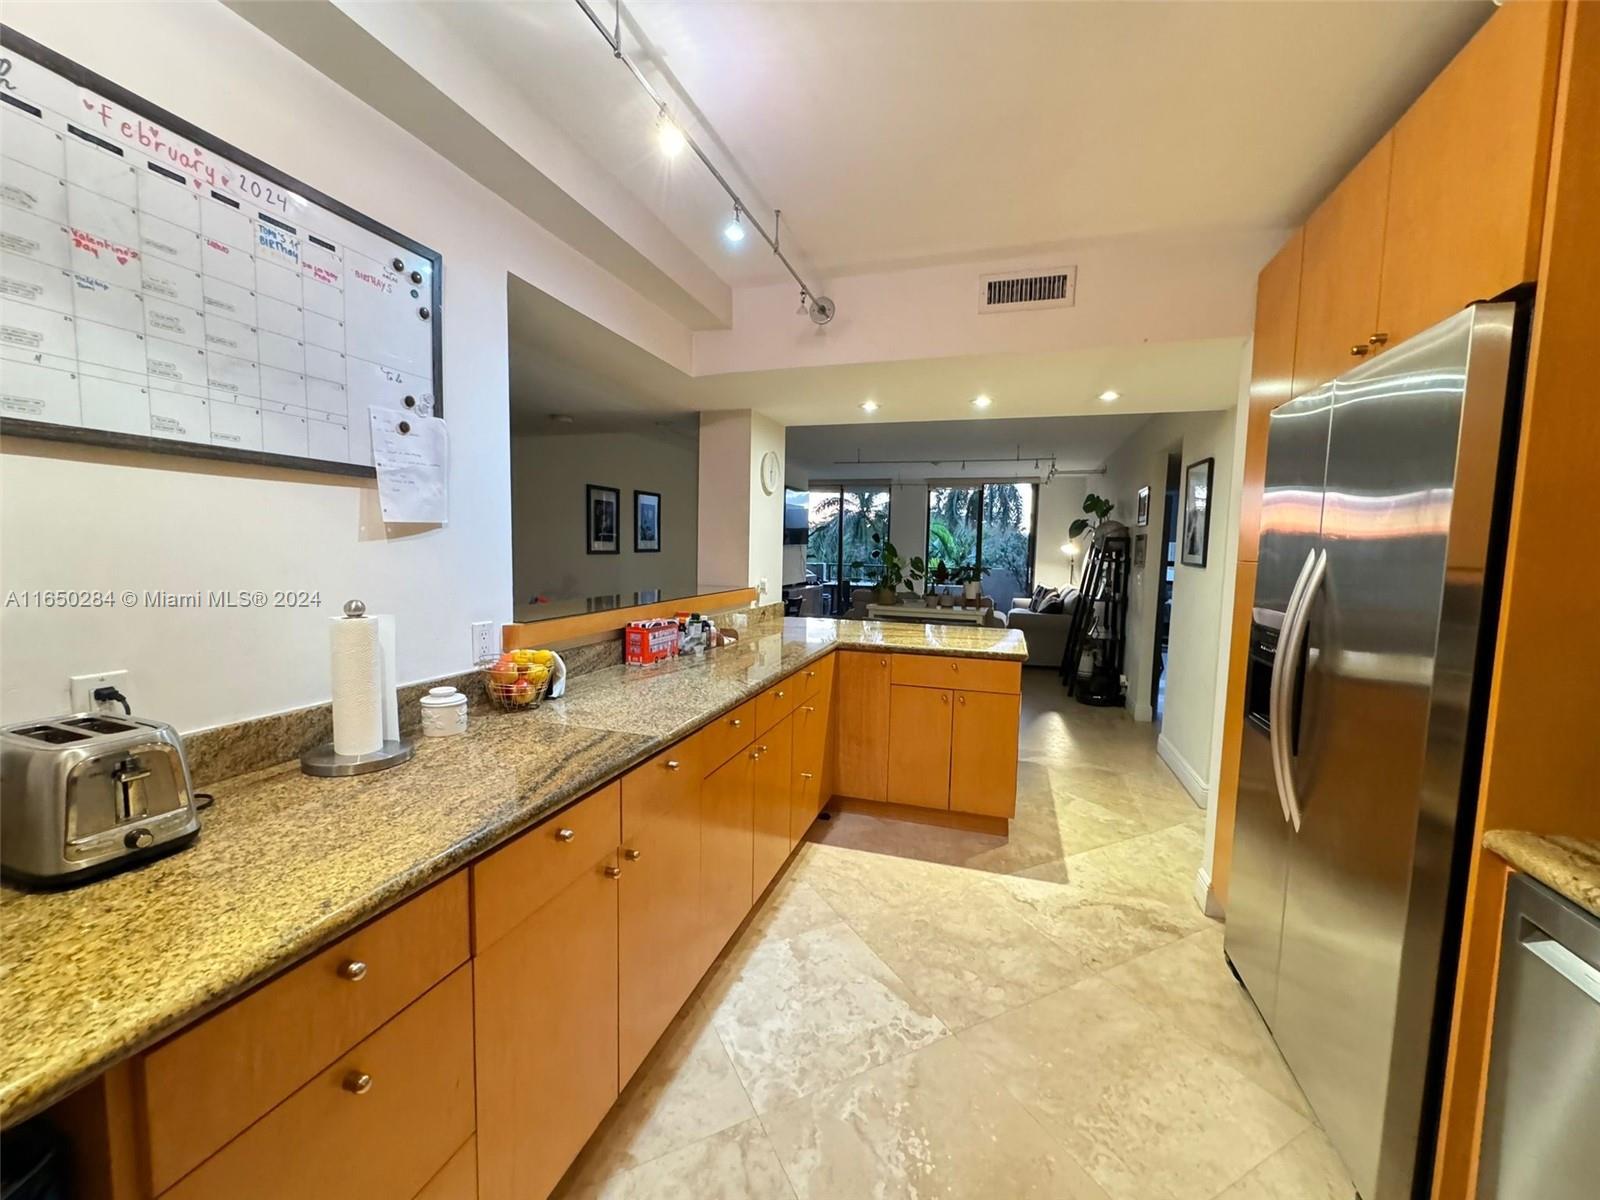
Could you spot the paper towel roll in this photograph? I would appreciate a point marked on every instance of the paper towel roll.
(357, 669)
(390, 683)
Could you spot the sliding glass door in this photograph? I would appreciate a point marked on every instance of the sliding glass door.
(988, 525)
(841, 521)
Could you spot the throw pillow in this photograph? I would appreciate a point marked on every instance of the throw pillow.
(1039, 593)
(1053, 604)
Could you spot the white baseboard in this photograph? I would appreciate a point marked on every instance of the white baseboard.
(1193, 782)
(1205, 897)
(1143, 712)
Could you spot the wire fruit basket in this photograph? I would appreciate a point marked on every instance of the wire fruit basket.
(517, 680)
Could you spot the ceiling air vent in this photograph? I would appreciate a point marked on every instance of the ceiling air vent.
(1053, 288)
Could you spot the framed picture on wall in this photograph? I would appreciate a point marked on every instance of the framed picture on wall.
(646, 522)
(1196, 512)
(1143, 517)
(604, 516)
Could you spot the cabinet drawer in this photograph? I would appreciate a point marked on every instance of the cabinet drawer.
(519, 877)
(817, 678)
(206, 1085)
(777, 702)
(458, 1178)
(383, 1143)
(972, 674)
(727, 735)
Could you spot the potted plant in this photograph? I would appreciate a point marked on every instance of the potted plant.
(888, 570)
(970, 577)
(1098, 508)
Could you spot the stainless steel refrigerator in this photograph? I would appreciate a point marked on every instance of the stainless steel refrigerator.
(1383, 526)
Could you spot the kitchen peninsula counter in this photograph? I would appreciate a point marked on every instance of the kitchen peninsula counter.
(287, 863)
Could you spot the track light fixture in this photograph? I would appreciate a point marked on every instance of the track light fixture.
(672, 138)
(669, 137)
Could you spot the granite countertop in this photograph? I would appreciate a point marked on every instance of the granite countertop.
(1568, 865)
(287, 863)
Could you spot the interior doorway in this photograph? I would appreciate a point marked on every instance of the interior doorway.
(1168, 560)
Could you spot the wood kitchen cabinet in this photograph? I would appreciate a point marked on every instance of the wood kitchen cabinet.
(727, 850)
(1471, 158)
(919, 746)
(806, 796)
(1339, 278)
(983, 753)
(861, 769)
(380, 1121)
(545, 1006)
(1271, 377)
(661, 950)
(771, 778)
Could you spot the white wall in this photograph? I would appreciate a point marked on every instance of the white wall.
(741, 526)
(1060, 504)
(81, 518)
(549, 485)
(1199, 611)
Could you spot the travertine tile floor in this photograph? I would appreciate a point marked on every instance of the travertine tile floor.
(916, 1012)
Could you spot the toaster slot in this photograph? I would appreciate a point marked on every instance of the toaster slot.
(100, 725)
(53, 735)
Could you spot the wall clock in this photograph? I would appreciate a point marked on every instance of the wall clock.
(769, 472)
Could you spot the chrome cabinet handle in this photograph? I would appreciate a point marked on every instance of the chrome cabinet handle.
(778, 694)
(1378, 339)
(944, 697)
(673, 764)
(955, 666)
(565, 835)
(358, 1083)
(883, 662)
(805, 775)
(961, 699)
(633, 855)
(1360, 351)
(613, 872)
(355, 971)
(808, 708)
(735, 722)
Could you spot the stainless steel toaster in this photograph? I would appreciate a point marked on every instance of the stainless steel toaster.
(87, 794)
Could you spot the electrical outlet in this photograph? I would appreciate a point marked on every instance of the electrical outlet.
(761, 589)
(82, 688)
(483, 646)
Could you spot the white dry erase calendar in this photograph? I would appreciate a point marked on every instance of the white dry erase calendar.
(162, 290)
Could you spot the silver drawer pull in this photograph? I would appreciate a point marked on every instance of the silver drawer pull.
(805, 775)
(355, 971)
(673, 764)
(633, 855)
(808, 708)
(565, 835)
(1565, 964)
(778, 694)
(735, 722)
(613, 872)
(358, 1083)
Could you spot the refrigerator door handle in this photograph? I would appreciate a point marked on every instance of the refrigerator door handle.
(1276, 721)
(1290, 648)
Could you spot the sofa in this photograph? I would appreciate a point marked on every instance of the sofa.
(1046, 631)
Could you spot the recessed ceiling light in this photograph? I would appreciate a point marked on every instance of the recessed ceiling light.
(869, 406)
(981, 401)
(1108, 395)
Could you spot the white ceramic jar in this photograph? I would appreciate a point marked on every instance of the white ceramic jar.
(444, 712)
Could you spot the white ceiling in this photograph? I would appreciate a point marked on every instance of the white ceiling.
(898, 133)
(955, 449)
(562, 362)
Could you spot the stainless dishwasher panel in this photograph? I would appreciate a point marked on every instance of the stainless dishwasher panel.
(1541, 1127)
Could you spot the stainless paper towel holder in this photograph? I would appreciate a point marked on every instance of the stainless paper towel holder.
(323, 760)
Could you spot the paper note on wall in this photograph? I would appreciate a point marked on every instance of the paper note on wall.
(412, 455)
